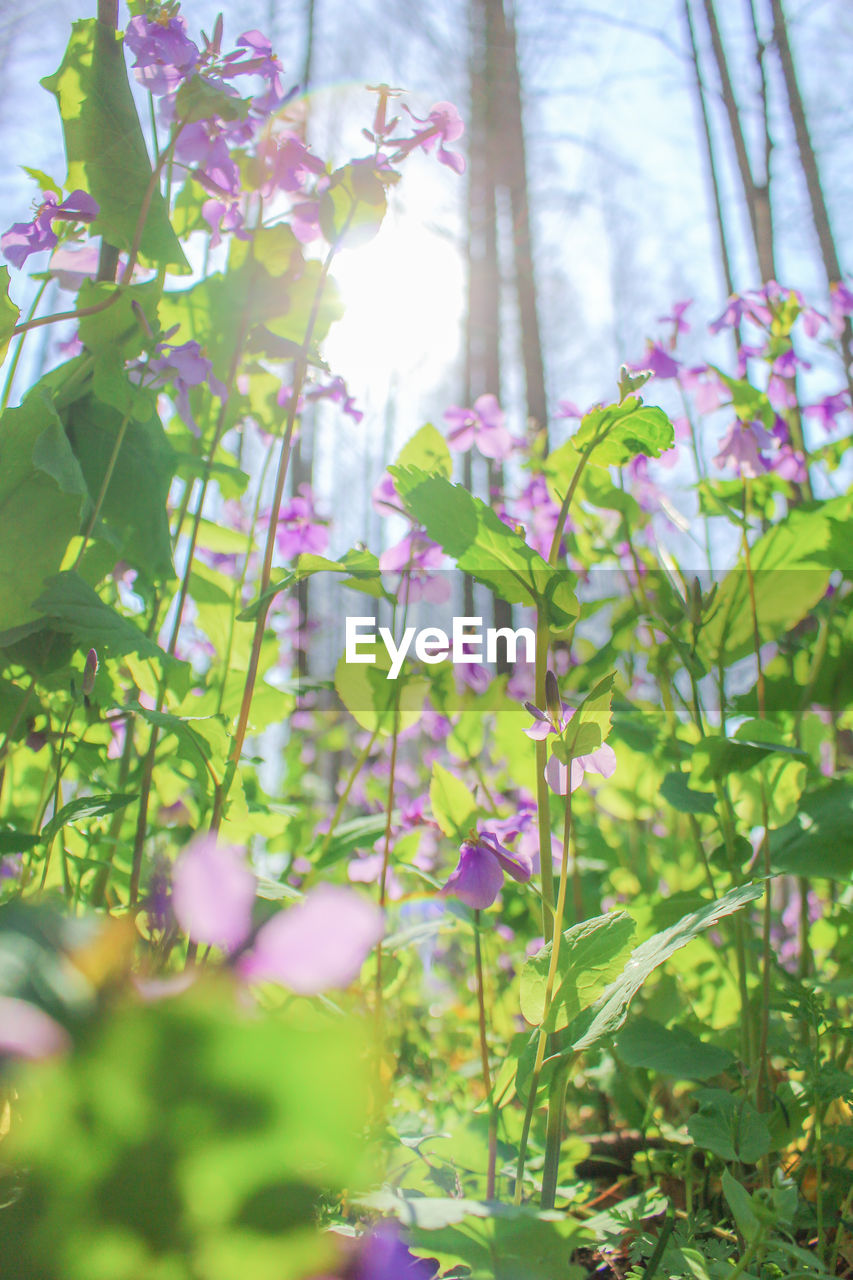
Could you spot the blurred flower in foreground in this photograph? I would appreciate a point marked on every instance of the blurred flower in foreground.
(317, 944)
(479, 875)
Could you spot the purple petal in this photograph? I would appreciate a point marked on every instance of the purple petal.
(212, 893)
(478, 877)
(28, 1032)
(518, 865)
(319, 944)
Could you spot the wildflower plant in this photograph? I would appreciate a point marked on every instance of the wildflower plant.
(271, 930)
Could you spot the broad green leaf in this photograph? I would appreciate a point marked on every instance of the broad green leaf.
(612, 436)
(134, 504)
(482, 545)
(203, 739)
(349, 836)
(670, 1051)
(788, 579)
(590, 724)
(740, 1202)
(729, 1127)
(612, 1009)
(105, 146)
(297, 310)
(591, 954)
(53, 454)
(816, 843)
(676, 791)
(16, 841)
(352, 206)
(71, 605)
(452, 804)
(85, 807)
(38, 516)
(427, 451)
(9, 313)
(370, 697)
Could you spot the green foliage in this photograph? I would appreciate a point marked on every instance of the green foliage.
(173, 1143)
(105, 147)
(591, 955)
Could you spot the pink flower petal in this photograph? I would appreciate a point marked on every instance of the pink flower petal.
(212, 893)
(28, 1032)
(319, 944)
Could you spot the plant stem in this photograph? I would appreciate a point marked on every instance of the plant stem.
(13, 364)
(484, 1058)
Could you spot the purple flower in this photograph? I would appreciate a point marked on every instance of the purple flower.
(299, 529)
(202, 144)
(184, 367)
(840, 306)
(385, 499)
(659, 361)
(319, 944)
(479, 875)
(260, 62)
(677, 321)
(384, 1256)
(484, 425)
(415, 556)
(223, 217)
(336, 390)
(555, 720)
(826, 410)
(212, 893)
(286, 163)
(25, 238)
(740, 448)
(443, 124)
(165, 55)
(539, 513)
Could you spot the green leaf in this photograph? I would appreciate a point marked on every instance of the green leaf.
(670, 1051)
(788, 580)
(453, 806)
(591, 954)
(9, 313)
(590, 724)
(427, 451)
(53, 454)
(816, 842)
(357, 833)
(483, 546)
(71, 605)
(199, 99)
(729, 1127)
(184, 1141)
(16, 841)
(105, 146)
(740, 1202)
(612, 436)
(352, 206)
(38, 517)
(676, 791)
(134, 505)
(612, 1009)
(370, 697)
(85, 807)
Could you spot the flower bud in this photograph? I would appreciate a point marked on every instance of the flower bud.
(89, 672)
(553, 702)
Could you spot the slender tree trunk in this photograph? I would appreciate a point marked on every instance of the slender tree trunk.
(757, 194)
(514, 155)
(710, 159)
(811, 172)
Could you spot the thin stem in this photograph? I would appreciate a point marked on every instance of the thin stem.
(19, 346)
(66, 887)
(484, 1058)
(549, 995)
